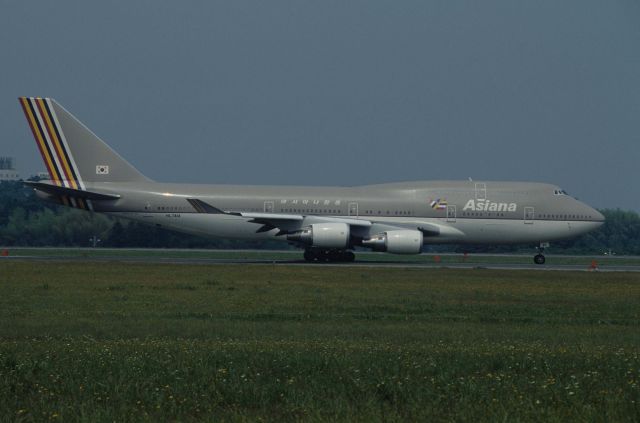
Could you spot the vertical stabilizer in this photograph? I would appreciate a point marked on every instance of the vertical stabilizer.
(72, 153)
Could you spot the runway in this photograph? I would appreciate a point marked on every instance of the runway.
(550, 266)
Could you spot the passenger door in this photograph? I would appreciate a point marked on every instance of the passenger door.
(353, 209)
(451, 213)
(529, 215)
(481, 191)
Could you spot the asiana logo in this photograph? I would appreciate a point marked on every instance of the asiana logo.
(486, 205)
(439, 204)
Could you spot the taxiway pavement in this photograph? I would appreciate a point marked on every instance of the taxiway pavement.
(300, 262)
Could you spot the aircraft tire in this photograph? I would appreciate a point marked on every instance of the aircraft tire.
(539, 259)
(329, 256)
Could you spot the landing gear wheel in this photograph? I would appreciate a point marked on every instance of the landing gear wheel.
(310, 256)
(539, 259)
(328, 256)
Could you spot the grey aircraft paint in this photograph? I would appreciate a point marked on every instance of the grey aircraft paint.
(328, 221)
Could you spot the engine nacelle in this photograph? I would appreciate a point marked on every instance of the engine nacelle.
(396, 242)
(323, 235)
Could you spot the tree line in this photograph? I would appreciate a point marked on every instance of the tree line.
(25, 220)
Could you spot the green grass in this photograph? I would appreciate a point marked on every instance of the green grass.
(136, 342)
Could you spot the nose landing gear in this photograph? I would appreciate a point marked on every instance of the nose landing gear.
(539, 258)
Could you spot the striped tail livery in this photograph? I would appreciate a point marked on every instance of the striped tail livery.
(73, 155)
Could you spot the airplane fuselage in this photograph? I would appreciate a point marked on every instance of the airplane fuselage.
(464, 211)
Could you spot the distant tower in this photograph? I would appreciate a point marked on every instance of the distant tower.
(7, 169)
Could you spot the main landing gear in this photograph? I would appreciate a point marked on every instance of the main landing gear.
(539, 258)
(316, 255)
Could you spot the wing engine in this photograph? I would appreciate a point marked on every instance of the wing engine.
(323, 235)
(396, 242)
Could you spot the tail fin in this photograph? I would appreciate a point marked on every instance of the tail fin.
(72, 153)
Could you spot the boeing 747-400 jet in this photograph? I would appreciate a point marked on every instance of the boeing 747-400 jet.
(328, 222)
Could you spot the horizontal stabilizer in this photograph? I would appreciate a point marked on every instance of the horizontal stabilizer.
(71, 192)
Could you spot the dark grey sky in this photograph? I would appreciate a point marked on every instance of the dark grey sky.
(340, 92)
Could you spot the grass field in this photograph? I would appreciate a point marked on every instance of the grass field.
(134, 342)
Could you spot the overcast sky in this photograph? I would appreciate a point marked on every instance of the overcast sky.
(339, 92)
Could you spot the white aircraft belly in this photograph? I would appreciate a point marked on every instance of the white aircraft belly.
(506, 231)
(216, 225)
(460, 231)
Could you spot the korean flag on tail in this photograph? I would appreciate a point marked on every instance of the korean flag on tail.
(102, 169)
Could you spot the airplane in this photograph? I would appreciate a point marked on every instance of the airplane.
(328, 222)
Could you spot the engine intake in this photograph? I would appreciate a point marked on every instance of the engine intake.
(396, 242)
(323, 235)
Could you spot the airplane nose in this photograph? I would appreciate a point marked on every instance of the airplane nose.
(597, 216)
(591, 214)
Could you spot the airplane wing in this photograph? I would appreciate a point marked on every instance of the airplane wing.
(269, 221)
(287, 223)
(275, 217)
(291, 222)
(360, 227)
(202, 207)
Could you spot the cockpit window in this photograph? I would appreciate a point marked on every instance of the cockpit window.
(560, 192)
